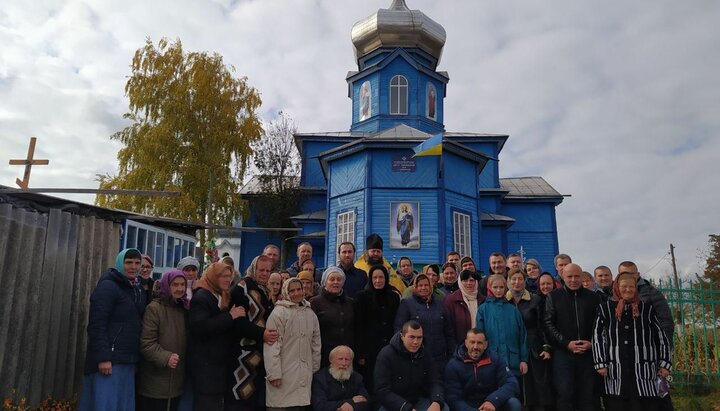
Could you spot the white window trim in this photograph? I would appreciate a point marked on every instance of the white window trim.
(397, 89)
(345, 227)
(462, 233)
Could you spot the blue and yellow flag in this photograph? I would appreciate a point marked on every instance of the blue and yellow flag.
(430, 147)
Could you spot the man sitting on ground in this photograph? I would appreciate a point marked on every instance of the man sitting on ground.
(337, 387)
(405, 377)
(477, 379)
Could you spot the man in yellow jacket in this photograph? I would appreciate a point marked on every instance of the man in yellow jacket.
(373, 255)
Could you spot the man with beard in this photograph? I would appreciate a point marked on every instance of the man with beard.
(373, 255)
(355, 278)
(338, 387)
(478, 379)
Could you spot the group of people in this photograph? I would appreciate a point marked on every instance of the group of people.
(363, 335)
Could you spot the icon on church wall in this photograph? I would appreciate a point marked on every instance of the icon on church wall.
(431, 102)
(365, 98)
(404, 224)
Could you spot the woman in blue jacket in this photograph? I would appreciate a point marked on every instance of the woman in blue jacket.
(116, 310)
(503, 326)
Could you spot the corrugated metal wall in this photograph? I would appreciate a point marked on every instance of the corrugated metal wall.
(49, 265)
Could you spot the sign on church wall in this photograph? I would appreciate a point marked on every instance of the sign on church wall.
(403, 164)
(405, 224)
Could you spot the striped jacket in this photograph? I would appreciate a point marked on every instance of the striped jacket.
(651, 347)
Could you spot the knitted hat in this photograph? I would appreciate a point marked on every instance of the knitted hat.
(374, 241)
(188, 261)
(331, 270)
(305, 275)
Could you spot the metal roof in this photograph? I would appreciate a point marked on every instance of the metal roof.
(528, 187)
(315, 215)
(255, 186)
(496, 217)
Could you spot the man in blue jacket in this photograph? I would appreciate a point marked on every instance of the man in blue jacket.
(479, 380)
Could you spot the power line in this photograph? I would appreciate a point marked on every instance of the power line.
(658, 262)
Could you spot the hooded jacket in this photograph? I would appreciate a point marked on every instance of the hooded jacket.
(294, 357)
(402, 377)
(438, 338)
(116, 312)
(470, 382)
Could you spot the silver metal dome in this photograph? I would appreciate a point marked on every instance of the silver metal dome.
(398, 26)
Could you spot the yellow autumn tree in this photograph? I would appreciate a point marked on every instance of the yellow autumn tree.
(192, 123)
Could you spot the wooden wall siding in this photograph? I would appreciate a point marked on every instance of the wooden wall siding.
(425, 174)
(490, 175)
(49, 265)
(539, 245)
(429, 236)
(311, 202)
(460, 175)
(350, 201)
(465, 204)
(530, 217)
(490, 204)
(348, 174)
(492, 240)
(312, 175)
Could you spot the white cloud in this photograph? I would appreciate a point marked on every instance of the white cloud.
(615, 103)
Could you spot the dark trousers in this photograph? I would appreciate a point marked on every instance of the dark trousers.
(205, 402)
(155, 404)
(573, 378)
(616, 403)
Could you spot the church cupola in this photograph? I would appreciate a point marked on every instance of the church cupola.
(397, 52)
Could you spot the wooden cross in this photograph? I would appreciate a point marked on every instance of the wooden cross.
(28, 163)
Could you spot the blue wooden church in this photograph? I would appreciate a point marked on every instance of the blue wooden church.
(366, 180)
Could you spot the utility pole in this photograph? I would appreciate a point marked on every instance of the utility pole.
(675, 274)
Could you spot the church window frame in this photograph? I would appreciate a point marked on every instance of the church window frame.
(345, 229)
(462, 233)
(398, 95)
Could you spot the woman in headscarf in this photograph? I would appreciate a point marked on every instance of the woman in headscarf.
(503, 326)
(291, 361)
(630, 349)
(535, 386)
(375, 309)
(430, 313)
(533, 270)
(211, 322)
(461, 305)
(117, 306)
(433, 273)
(163, 341)
(335, 313)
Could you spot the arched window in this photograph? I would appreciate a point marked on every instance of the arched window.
(398, 95)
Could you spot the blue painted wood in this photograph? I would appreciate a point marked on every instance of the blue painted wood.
(348, 174)
(491, 241)
(425, 174)
(351, 201)
(467, 205)
(460, 174)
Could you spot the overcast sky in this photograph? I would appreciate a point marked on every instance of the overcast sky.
(613, 102)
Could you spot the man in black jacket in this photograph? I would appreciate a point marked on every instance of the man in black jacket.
(355, 278)
(405, 377)
(570, 314)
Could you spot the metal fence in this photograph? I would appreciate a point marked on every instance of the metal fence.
(50, 261)
(695, 307)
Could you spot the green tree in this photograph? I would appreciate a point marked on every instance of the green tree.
(709, 281)
(193, 123)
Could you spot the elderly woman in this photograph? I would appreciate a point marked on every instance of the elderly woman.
(630, 349)
(503, 326)
(212, 320)
(291, 361)
(335, 313)
(163, 341)
(430, 313)
(535, 386)
(117, 306)
(532, 270)
(375, 309)
(461, 305)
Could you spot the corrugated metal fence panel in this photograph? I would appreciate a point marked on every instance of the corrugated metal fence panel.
(49, 265)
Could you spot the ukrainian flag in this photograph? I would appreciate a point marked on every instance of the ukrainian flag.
(430, 147)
